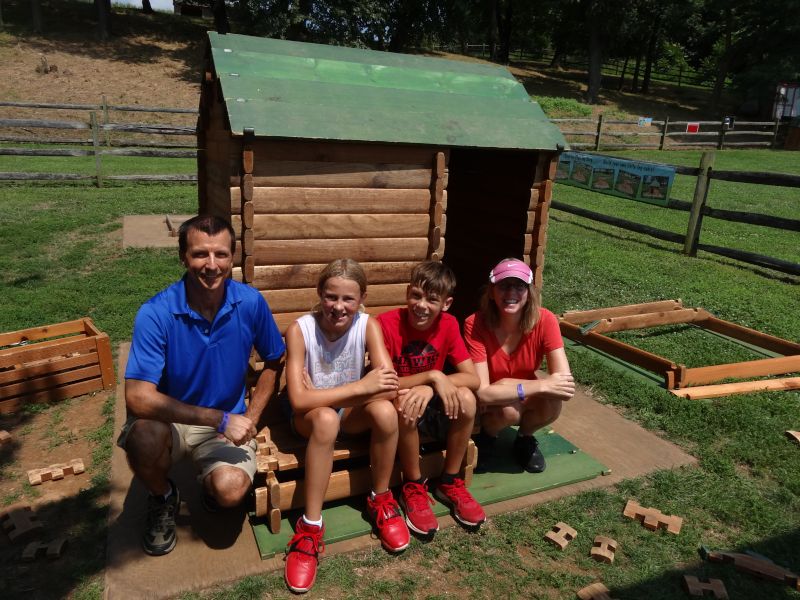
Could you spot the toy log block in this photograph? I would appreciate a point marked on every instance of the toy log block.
(758, 567)
(19, 522)
(5, 438)
(52, 549)
(54, 472)
(561, 535)
(792, 435)
(653, 518)
(595, 591)
(712, 587)
(603, 549)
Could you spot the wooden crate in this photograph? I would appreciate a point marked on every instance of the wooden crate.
(53, 362)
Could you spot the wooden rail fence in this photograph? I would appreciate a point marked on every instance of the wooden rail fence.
(613, 134)
(698, 209)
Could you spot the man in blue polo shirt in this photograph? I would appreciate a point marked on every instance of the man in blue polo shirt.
(185, 380)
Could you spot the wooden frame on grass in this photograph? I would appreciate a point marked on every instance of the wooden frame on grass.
(588, 327)
(53, 362)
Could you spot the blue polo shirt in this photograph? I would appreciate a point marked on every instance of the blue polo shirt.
(197, 362)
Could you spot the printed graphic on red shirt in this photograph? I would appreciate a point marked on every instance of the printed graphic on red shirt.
(417, 356)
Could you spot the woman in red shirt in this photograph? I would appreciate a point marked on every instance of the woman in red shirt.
(507, 340)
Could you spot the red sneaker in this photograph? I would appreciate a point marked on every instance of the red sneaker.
(465, 508)
(388, 520)
(416, 503)
(302, 556)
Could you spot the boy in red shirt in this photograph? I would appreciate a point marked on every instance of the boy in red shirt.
(420, 338)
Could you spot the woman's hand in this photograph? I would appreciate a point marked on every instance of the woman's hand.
(556, 386)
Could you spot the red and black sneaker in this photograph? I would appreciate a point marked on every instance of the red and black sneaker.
(302, 556)
(416, 503)
(464, 507)
(388, 520)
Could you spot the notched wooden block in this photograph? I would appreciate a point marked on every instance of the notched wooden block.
(560, 535)
(604, 549)
(792, 435)
(52, 549)
(5, 438)
(594, 591)
(652, 518)
(55, 472)
(714, 588)
(19, 522)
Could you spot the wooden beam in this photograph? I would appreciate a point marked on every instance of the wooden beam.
(281, 277)
(579, 317)
(337, 175)
(328, 151)
(751, 336)
(316, 251)
(47, 349)
(742, 387)
(647, 360)
(302, 300)
(342, 200)
(46, 367)
(283, 320)
(327, 226)
(651, 319)
(39, 333)
(58, 393)
(51, 380)
(753, 368)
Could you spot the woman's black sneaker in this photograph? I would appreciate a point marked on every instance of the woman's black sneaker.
(485, 444)
(527, 453)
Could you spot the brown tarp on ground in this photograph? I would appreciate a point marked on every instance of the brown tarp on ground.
(221, 548)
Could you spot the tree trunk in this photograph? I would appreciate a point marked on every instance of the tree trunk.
(635, 82)
(36, 16)
(504, 29)
(103, 19)
(558, 58)
(724, 62)
(595, 60)
(221, 23)
(146, 8)
(652, 51)
(621, 82)
(491, 34)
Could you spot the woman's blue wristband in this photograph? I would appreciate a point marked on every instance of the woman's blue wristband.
(520, 392)
(223, 424)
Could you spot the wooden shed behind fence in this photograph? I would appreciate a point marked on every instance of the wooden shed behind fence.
(320, 152)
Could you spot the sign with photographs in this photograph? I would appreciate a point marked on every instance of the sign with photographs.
(645, 182)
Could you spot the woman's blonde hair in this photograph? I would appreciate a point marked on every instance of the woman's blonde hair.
(530, 315)
(346, 268)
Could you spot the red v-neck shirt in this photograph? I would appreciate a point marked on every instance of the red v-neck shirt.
(526, 357)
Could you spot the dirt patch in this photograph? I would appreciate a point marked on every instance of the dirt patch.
(66, 507)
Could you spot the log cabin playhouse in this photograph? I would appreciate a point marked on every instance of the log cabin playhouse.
(318, 152)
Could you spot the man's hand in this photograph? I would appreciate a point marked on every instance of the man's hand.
(449, 395)
(411, 403)
(240, 429)
(558, 386)
(382, 379)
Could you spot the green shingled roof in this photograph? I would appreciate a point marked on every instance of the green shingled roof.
(311, 91)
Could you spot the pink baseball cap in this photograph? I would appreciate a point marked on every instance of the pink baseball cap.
(511, 268)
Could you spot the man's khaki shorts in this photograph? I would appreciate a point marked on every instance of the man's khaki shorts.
(207, 448)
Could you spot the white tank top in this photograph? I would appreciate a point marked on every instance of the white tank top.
(331, 364)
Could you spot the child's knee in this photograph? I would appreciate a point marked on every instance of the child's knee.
(324, 423)
(468, 403)
(383, 416)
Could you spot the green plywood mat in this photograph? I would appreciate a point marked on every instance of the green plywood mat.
(344, 519)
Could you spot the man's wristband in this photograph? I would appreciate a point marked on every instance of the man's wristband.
(223, 424)
(520, 392)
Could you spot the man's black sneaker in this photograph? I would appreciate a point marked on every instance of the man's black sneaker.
(486, 444)
(527, 453)
(159, 535)
(209, 503)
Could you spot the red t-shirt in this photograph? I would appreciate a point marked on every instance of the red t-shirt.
(414, 351)
(526, 357)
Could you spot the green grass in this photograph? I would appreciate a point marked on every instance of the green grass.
(64, 260)
(563, 108)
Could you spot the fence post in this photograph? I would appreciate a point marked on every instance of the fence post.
(698, 203)
(96, 145)
(106, 133)
(680, 75)
(775, 128)
(599, 132)
(663, 133)
(721, 139)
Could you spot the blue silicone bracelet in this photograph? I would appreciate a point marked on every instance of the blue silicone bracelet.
(223, 424)
(520, 392)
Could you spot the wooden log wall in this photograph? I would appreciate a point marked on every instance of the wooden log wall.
(499, 203)
(297, 205)
(214, 145)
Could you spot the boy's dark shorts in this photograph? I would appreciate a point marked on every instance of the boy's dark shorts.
(434, 423)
